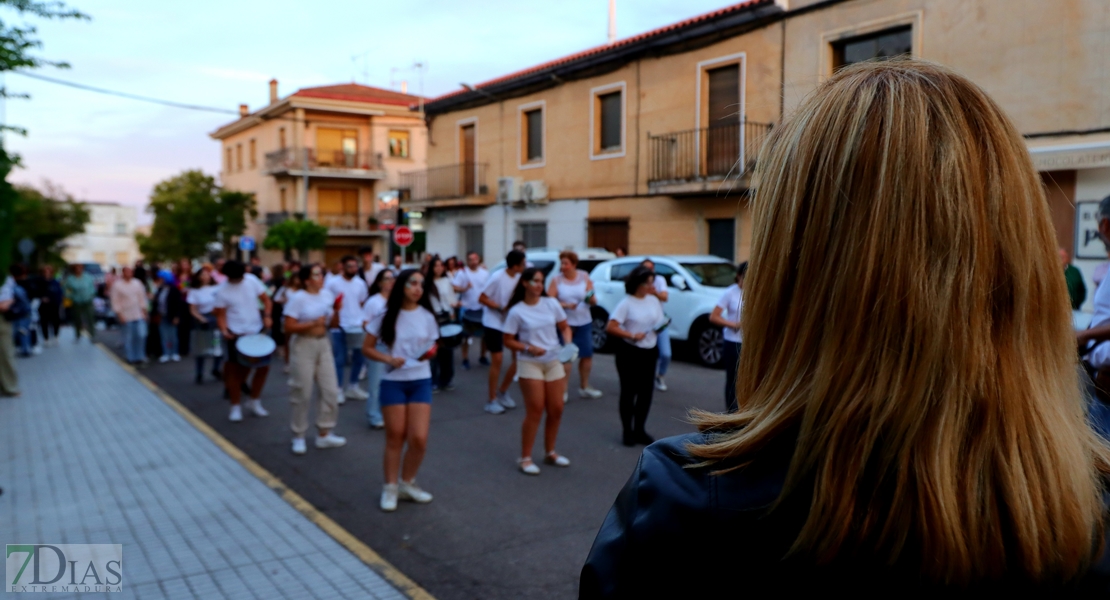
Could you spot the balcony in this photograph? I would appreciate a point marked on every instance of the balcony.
(709, 159)
(463, 184)
(299, 162)
(344, 224)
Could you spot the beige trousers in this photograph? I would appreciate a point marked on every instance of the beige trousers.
(311, 359)
(9, 379)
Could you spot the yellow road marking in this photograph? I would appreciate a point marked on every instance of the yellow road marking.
(364, 553)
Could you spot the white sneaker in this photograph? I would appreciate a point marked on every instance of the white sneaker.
(236, 413)
(165, 358)
(362, 374)
(255, 406)
(342, 398)
(557, 459)
(660, 384)
(589, 393)
(527, 466)
(330, 441)
(355, 393)
(299, 446)
(494, 408)
(506, 400)
(412, 492)
(175, 358)
(36, 350)
(389, 497)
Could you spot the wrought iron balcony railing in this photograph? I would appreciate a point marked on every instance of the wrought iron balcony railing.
(450, 181)
(721, 151)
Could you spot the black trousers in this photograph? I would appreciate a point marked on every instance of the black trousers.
(730, 358)
(50, 319)
(636, 369)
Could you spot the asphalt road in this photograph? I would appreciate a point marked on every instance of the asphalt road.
(491, 532)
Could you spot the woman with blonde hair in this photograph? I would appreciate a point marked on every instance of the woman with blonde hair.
(924, 428)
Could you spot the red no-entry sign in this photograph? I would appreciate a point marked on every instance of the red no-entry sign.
(402, 236)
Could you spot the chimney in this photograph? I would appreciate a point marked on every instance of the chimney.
(243, 110)
(612, 21)
(273, 91)
(404, 87)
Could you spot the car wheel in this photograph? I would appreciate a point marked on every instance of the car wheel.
(710, 344)
(598, 335)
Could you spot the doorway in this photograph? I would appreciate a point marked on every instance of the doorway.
(609, 235)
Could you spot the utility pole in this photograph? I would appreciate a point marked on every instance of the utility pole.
(612, 21)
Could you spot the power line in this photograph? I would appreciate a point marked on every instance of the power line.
(89, 88)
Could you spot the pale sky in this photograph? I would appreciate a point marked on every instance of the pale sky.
(222, 53)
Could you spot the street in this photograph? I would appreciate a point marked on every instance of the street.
(491, 532)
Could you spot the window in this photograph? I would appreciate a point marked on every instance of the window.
(238, 157)
(722, 136)
(534, 235)
(336, 147)
(610, 112)
(121, 228)
(666, 271)
(722, 238)
(253, 154)
(122, 258)
(881, 45)
(281, 138)
(399, 144)
(473, 240)
(227, 160)
(337, 208)
(620, 271)
(607, 121)
(531, 134)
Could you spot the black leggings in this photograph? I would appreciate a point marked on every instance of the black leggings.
(50, 317)
(636, 369)
(730, 358)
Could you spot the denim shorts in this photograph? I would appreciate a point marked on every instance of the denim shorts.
(399, 393)
(583, 337)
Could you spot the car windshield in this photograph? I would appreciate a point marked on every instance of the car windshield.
(712, 274)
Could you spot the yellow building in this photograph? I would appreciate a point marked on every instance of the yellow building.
(648, 143)
(332, 154)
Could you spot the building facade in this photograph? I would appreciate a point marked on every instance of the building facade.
(109, 237)
(330, 154)
(659, 132)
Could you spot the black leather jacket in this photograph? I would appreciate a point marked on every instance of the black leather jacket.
(678, 532)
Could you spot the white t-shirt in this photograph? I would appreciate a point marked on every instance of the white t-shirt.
(499, 288)
(1100, 356)
(241, 301)
(477, 282)
(535, 325)
(447, 296)
(660, 283)
(204, 298)
(372, 272)
(373, 307)
(306, 306)
(730, 304)
(354, 292)
(417, 330)
(574, 291)
(639, 315)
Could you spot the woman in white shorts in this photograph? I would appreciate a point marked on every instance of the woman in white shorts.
(530, 331)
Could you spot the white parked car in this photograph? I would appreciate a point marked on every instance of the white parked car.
(547, 259)
(695, 285)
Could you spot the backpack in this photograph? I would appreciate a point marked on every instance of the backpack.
(21, 306)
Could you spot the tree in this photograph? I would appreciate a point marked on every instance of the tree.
(190, 212)
(297, 234)
(17, 42)
(47, 218)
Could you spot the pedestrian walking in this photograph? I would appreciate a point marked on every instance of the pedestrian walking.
(182, 273)
(494, 298)
(80, 288)
(445, 304)
(636, 320)
(370, 265)
(308, 315)
(663, 338)
(409, 331)
(129, 302)
(726, 315)
(469, 282)
(169, 310)
(21, 310)
(287, 287)
(574, 291)
(9, 378)
(374, 307)
(237, 314)
(534, 327)
(50, 306)
(201, 300)
(346, 338)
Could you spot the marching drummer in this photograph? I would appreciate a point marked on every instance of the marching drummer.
(237, 314)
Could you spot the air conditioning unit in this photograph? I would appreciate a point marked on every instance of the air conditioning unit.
(508, 190)
(534, 192)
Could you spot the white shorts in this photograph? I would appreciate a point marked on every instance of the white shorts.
(548, 371)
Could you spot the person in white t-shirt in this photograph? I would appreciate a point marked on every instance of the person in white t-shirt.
(533, 329)
(574, 291)
(237, 314)
(726, 315)
(201, 299)
(469, 282)
(370, 265)
(636, 321)
(663, 339)
(409, 331)
(307, 318)
(346, 339)
(494, 298)
(374, 307)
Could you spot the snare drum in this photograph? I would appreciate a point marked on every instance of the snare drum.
(255, 350)
(451, 335)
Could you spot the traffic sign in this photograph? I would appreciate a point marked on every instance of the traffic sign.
(246, 243)
(402, 236)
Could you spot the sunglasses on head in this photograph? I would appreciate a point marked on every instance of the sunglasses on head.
(414, 282)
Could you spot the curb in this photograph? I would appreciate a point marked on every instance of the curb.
(364, 553)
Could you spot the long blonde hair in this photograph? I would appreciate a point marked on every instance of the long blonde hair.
(906, 318)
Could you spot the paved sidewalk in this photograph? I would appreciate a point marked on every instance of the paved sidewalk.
(88, 454)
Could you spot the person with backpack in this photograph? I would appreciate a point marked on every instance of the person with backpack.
(9, 379)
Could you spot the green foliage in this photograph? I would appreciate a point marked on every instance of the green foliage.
(300, 235)
(191, 211)
(47, 217)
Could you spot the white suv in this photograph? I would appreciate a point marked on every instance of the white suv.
(547, 259)
(695, 285)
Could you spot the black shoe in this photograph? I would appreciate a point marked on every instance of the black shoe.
(641, 437)
(198, 379)
(246, 389)
(628, 439)
(217, 374)
(483, 361)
